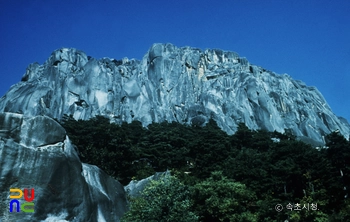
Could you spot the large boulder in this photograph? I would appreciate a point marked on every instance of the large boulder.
(36, 153)
(135, 187)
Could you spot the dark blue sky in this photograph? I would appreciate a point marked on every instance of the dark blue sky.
(307, 39)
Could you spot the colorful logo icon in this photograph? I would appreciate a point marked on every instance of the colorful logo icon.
(28, 206)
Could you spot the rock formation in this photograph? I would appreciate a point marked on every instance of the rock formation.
(36, 153)
(186, 84)
(135, 187)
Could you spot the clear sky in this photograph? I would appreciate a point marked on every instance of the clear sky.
(307, 39)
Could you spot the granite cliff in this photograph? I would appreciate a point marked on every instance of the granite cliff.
(36, 153)
(186, 84)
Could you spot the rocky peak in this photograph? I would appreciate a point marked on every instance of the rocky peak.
(187, 85)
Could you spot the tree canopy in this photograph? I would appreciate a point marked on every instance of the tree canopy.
(240, 177)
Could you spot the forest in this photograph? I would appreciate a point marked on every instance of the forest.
(219, 177)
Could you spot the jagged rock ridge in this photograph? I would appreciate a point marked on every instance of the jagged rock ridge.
(186, 84)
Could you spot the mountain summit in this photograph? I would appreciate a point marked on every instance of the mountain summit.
(187, 85)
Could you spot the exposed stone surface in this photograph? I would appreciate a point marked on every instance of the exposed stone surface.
(135, 187)
(35, 153)
(187, 85)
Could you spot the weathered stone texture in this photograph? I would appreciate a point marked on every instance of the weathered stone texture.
(35, 153)
(173, 84)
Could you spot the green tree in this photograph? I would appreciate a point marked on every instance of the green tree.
(221, 199)
(166, 199)
(276, 167)
(103, 144)
(338, 153)
(209, 147)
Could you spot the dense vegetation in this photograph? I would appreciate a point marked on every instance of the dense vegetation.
(217, 177)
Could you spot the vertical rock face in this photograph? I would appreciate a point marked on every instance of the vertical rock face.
(35, 153)
(186, 84)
